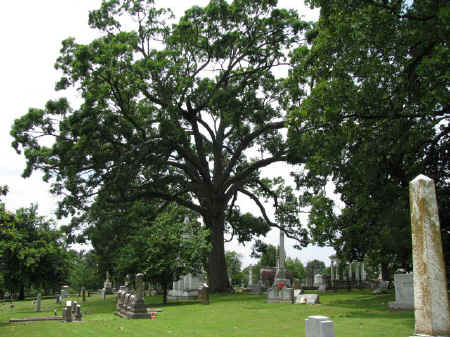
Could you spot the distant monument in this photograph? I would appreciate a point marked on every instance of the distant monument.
(186, 288)
(281, 290)
(132, 306)
(107, 287)
(430, 283)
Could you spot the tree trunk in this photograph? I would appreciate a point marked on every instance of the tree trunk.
(165, 293)
(385, 271)
(217, 268)
(22, 292)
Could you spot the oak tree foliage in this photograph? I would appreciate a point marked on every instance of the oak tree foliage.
(169, 113)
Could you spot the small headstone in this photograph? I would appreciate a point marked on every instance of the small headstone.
(318, 326)
(74, 306)
(204, 295)
(104, 294)
(67, 313)
(65, 291)
(404, 292)
(297, 292)
(38, 302)
(307, 299)
(78, 314)
(381, 287)
(58, 298)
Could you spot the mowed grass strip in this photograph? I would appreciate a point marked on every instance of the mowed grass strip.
(355, 314)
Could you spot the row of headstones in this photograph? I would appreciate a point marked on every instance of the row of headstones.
(130, 304)
(344, 271)
(72, 311)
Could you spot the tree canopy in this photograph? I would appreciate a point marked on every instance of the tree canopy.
(32, 252)
(170, 113)
(171, 247)
(377, 116)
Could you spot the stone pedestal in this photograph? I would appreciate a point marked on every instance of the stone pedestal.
(430, 282)
(404, 292)
(282, 295)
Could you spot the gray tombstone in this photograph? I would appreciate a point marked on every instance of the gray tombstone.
(307, 299)
(58, 298)
(78, 314)
(431, 307)
(320, 282)
(135, 306)
(67, 313)
(404, 292)
(38, 302)
(83, 294)
(204, 294)
(107, 286)
(318, 326)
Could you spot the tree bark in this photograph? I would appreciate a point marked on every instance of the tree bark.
(22, 292)
(386, 272)
(165, 293)
(217, 268)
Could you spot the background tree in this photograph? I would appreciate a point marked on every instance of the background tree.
(84, 271)
(170, 248)
(296, 268)
(32, 252)
(314, 267)
(377, 116)
(170, 113)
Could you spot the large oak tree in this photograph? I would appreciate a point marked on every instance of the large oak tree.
(378, 115)
(170, 112)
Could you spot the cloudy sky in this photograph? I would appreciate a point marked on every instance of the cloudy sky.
(32, 32)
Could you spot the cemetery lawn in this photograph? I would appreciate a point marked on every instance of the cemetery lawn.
(355, 314)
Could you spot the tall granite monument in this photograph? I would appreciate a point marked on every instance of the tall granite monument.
(430, 284)
(281, 290)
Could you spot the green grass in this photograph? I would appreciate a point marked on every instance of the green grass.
(355, 314)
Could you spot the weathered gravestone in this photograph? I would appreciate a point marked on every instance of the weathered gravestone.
(107, 286)
(404, 292)
(77, 314)
(320, 282)
(204, 294)
(135, 306)
(319, 326)
(67, 312)
(430, 283)
(186, 288)
(307, 299)
(38, 302)
(65, 291)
